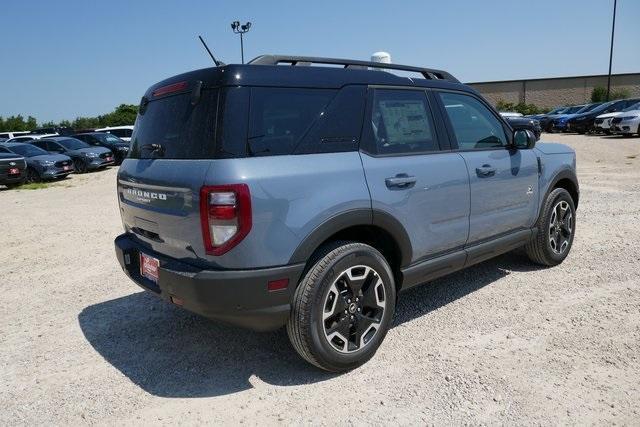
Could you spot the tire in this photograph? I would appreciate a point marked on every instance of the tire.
(554, 239)
(32, 176)
(324, 309)
(80, 166)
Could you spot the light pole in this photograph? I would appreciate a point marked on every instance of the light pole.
(613, 29)
(240, 29)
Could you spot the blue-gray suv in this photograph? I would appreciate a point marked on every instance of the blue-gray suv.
(279, 193)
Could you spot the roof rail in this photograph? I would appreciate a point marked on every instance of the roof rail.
(428, 73)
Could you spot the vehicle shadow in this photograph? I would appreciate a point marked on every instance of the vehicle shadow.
(169, 352)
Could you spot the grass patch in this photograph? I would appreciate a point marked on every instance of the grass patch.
(33, 186)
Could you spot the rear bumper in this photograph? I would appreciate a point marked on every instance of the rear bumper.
(99, 163)
(237, 297)
(12, 179)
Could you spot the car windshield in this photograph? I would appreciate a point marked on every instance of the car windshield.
(27, 150)
(73, 144)
(633, 107)
(586, 108)
(107, 138)
(558, 110)
(573, 110)
(602, 107)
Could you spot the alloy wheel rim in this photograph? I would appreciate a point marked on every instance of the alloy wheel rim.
(560, 227)
(353, 309)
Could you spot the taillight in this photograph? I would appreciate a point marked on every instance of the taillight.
(225, 214)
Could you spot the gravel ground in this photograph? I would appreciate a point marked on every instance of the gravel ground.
(502, 342)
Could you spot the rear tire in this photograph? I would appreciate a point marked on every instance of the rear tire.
(343, 307)
(556, 230)
(32, 176)
(80, 166)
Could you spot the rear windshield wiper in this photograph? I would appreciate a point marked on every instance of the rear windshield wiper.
(154, 148)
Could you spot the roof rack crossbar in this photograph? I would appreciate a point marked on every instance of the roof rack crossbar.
(427, 73)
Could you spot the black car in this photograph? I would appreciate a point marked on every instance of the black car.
(85, 157)
(40, 164)
(584, 122)
(118, 147)
(525, 123)
(12, 168)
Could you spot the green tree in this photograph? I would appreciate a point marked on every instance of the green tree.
(599, 94)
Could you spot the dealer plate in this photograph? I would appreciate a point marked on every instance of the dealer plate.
(149, 267)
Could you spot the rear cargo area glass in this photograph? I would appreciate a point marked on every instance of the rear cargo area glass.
(180, 129)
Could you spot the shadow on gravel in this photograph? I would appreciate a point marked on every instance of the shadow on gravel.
(169, 352)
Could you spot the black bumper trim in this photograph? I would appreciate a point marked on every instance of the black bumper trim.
(237, 297)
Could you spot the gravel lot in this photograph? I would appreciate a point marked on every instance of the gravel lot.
(502, 342)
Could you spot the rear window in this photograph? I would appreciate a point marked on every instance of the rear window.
(280, 117)
(182, 130)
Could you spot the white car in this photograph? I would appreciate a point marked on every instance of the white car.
(9, 135)
(510, 114)
(626, 123)
(30, 137)
(122, 132)
(602, 123)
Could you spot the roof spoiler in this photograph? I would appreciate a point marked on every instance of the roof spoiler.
(428, 73)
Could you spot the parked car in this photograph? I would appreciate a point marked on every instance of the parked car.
(117, 146)
(29, 138)
(85, 157)
(54, 130)
(508, 114)
(9, 135)
(584, 122)
(560, 121)
(41, 165)
(12, 168)
(325, 191)
(546, 118)
(602, 123)
(122, 132)
(627, 123)
(525, 123)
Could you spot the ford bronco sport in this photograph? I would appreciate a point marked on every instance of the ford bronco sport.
(282, 193)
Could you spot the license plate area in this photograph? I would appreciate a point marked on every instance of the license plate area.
(66, 168)
(149, 267)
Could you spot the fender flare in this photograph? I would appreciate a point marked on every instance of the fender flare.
(563, 174)
(354, 217)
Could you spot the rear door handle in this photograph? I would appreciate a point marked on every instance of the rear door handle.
(401, 180)
(485, 171)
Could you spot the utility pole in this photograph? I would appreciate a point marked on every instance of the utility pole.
(240, 29)
(613, 29)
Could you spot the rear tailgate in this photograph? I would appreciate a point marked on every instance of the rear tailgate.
(159, 203)
(171, 150)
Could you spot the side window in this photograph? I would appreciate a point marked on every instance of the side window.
(280, 117)
(53, 146)
(40, 144)
(474, 125)
(401, 122)
(338, 127)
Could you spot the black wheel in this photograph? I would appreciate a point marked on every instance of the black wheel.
(556, 230)
(343, 307)
(80, 166)
(32, 176)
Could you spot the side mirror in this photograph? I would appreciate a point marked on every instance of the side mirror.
(524, 138)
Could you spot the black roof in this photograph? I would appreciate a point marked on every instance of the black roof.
(298, 71)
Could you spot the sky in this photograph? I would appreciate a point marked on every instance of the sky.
(67, 58)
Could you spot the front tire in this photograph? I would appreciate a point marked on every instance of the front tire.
(343, 307)
(556, 230)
